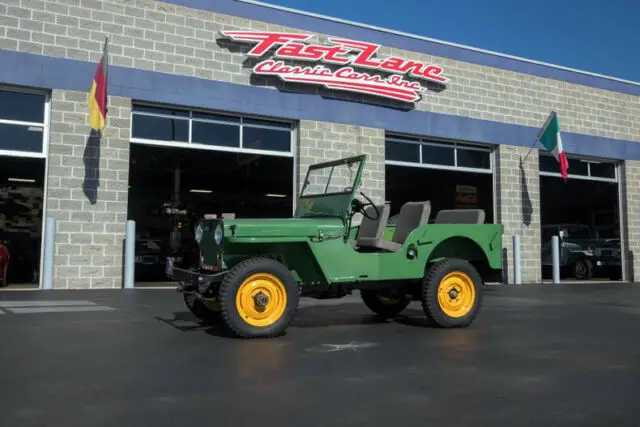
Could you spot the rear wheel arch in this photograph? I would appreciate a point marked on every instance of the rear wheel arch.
(462, 248)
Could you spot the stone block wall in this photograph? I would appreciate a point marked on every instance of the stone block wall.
(158, 36)
(321, 141)
(630, 195)
(87, 190)
(518, 209)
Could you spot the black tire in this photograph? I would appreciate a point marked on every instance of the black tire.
(383, 305)
(582, 269)
(200, 310)
(468, 283)
(278, 284)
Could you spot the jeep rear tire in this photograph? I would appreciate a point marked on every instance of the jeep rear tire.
(385, 306)
(452, 293)
(258, 298)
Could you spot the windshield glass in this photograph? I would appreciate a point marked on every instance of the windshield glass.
(333, 179)
(328, 188)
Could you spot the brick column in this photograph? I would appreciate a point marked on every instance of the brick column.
(321, 141)
(630, 195)
(518, 209)
(87, 192)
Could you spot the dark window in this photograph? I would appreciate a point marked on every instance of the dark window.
(215, 134)
(160, 128)
(160, 110)
(212, 129)
(256, 122)
(402, 152)
(576, 167)
(550, 164)
(474, 159)
(21, 138)
(438, 155)
(266, 139)
(603, 170)
(26, 107)
(216, 117)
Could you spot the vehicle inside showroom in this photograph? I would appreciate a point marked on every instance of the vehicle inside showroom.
(584, 212)
(186, 164)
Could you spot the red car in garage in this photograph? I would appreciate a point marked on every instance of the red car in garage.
(4, 263)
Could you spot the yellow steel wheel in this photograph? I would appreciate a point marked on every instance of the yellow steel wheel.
(261, 299)
(456, 294)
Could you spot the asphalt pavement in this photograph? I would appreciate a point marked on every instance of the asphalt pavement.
(551, 355)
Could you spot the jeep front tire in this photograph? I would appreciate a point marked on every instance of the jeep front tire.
(258, 298)
(452, 293)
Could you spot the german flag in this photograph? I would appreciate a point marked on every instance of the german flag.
(98, 93)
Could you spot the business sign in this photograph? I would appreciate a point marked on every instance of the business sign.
(466, 196)
(348, 55)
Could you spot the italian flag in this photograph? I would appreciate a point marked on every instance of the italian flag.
(550, 137)
(97, 99)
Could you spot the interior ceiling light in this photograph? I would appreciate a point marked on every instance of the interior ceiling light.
(195, 190)
(275, 195)
(22, 180)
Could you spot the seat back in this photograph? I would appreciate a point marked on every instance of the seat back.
(411, 216)
(460, 216)
(373, 229)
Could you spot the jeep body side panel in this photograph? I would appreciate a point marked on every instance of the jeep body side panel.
(340, 262)
(280, 230)
(297, 256)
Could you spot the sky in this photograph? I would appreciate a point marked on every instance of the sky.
(599, 36)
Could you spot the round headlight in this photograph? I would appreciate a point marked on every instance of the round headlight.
(218, 234)
(198, 232)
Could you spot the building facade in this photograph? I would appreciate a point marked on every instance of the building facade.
(217, 57)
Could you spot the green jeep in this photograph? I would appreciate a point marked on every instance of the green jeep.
(252, 272)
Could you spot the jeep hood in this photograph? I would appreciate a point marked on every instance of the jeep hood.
(281, 228)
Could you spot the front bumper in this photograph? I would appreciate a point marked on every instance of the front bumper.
(191, 280)
(608, 263)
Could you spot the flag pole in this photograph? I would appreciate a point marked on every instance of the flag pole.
(105, 56)
(544, 126)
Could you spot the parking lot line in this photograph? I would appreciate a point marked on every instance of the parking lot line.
(51, 303)
(68, 309)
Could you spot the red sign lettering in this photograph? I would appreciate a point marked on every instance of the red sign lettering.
(348, 53)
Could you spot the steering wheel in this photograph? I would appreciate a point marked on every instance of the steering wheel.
(361, 207)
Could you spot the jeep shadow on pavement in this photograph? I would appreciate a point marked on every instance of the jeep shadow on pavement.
(251, 273)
